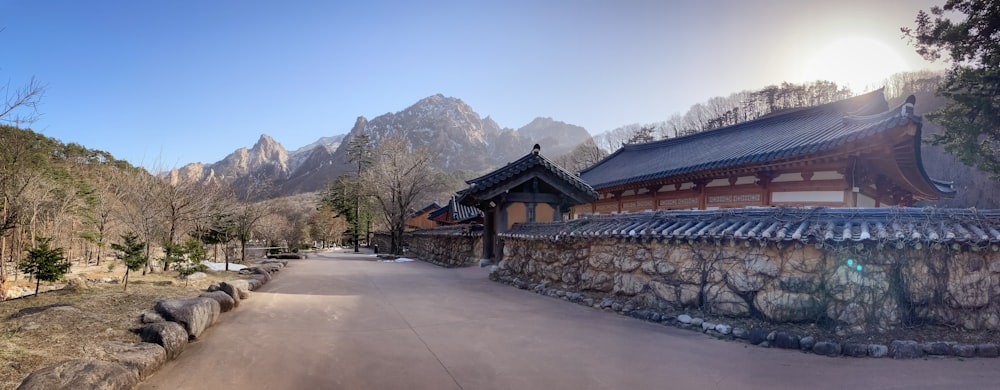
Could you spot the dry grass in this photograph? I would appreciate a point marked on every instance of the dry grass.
(76, 323)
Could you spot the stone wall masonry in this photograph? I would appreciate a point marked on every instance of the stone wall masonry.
(449, 246)
(860, 286)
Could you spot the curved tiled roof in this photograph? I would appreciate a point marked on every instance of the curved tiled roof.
(431, 207)
(913, 226)
(511, 170)
(457, 212)
(778, 136)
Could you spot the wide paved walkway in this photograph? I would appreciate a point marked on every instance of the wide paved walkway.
(342, 321)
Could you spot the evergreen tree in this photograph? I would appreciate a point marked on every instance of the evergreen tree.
(360, 152)
(967, 34)
(131, 252)
(45, 263)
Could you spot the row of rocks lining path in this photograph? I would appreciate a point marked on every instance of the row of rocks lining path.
(167, 329)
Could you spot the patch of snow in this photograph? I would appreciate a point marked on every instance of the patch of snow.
(222, 266)
(399, 260)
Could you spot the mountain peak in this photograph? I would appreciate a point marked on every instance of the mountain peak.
(437, 102)
(265, 139)
(266, 143)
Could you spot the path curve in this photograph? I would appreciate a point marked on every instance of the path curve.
(342, 321)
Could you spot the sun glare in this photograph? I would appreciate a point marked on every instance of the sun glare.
(862, 64)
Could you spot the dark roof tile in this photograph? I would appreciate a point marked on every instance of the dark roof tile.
(806, 225)
(783, 135)
(531, 160)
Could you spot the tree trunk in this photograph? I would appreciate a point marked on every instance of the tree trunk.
(126, 278)
(148, 266)
(38, 282)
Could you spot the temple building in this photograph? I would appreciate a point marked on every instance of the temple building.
(856, 152)
(531, 189)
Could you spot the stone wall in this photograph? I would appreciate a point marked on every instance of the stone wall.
(861, 284)
(448, 246)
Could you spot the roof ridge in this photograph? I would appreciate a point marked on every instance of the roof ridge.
(798, 112)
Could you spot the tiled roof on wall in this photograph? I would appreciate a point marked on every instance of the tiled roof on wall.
(807, 225)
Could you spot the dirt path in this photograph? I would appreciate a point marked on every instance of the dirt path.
(341, 321)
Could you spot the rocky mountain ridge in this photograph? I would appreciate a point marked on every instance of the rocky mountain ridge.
(461, 138)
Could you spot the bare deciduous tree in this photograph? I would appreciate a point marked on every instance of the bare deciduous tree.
(583, 156)
(246, 216)
(137, 189)
(326, 226)
(184, 202)
(398, 178)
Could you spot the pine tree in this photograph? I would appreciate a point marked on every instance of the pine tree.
(132, 252)
(45, 263)
(965, 33)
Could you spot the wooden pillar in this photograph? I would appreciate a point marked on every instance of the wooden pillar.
(529, 211)
(618, 199)
(557, 212)
(489, 232)
(655, 191)
(764, 181)
(699, 186)
(502, 221)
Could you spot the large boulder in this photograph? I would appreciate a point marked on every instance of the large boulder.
(968, 284)
(195, 314)
(144, 358)
(260, 271)
(781, 306)
(81, 374)
(629, 284)
(261, 279)
(721, 300)
(76, 283)
(269, 267)
(241, 285)
(169, 335)
(226, 302)
(150, 316)
(234, 292)
(905, 349)
(596, 281)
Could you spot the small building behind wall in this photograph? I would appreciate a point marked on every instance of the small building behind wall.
(856, 152)
(532, 185)
(420, 219)
(456, 214)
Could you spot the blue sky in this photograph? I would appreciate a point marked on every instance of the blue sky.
(165, 83)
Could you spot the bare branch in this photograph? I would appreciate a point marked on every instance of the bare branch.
(20, 105)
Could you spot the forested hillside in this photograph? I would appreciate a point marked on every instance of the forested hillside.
(84, 200)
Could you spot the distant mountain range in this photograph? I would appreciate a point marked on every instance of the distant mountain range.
(462, 139)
